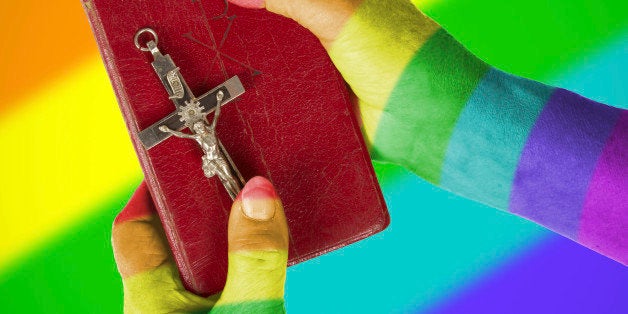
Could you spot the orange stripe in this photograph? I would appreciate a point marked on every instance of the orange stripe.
(69, 149)
(39, 41)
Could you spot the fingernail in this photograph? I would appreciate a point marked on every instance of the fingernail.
(258, 199)
(255, 4)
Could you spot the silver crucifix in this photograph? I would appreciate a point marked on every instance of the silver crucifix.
(192, 113)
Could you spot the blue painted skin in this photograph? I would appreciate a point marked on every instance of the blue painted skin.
(476, 141)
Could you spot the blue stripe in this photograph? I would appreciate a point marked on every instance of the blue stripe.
(489, 137)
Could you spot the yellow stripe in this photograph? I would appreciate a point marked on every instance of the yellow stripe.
(161, 291)
(254, 276)
(64, 150)
(424, 4)
(373, 50)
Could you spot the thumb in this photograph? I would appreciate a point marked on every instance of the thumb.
(323, 18)
(258, 252)
(149, 276)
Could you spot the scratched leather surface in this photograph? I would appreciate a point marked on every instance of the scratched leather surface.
(293, 125)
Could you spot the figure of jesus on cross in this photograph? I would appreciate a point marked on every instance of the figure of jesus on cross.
(214, 161)
(191, 113)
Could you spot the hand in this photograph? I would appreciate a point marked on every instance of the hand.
(372, 42)
(258, 252)
(430, 105)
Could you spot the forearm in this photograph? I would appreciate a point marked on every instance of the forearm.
(176, 133)
(543, 153)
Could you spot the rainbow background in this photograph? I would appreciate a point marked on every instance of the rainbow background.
(67, 167)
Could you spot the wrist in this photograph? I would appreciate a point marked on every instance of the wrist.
(420, 114)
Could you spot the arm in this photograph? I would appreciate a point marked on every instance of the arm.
(219, 98)
(166, 129)
(430, 105)
(540, 152)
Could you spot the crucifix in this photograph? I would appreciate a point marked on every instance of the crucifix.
(191, 112)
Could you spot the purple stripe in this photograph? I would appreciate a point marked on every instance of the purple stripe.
(559, 276)
(604, 224)
(558, 160)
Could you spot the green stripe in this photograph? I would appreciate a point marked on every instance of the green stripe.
(533, 38)
(423, 108)
(261, 307)
(74, 273)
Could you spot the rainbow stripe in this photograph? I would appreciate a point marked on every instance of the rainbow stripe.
(555, 168)
(476, 141)
(256, 270)
(604, 207)
(448, 253)
(447, 116)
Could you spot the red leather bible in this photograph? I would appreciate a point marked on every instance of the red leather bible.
(294, 124)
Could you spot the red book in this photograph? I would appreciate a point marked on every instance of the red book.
(294, 124)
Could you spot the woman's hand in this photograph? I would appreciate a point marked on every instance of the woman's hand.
(258, 253)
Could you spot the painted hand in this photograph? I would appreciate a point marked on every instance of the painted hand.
(258, 246)
(371, 42)
(430, 105)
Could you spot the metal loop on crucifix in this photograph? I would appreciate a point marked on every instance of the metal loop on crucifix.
(192, 113)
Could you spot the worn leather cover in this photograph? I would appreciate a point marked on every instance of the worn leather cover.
(294, 125)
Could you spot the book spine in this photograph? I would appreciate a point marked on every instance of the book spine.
(120, 91)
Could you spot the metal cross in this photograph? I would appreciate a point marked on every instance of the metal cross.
(184, 100)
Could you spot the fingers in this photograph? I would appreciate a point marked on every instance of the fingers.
(371, 42)
(151, 280)
(258, 251)
(139, 243)
(253, 4)
(322, 17)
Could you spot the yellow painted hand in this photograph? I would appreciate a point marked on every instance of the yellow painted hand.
(258, 252)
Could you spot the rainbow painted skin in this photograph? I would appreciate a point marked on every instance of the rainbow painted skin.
(430, 105)
(540, 152)
(427, 104)
(258, 253)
